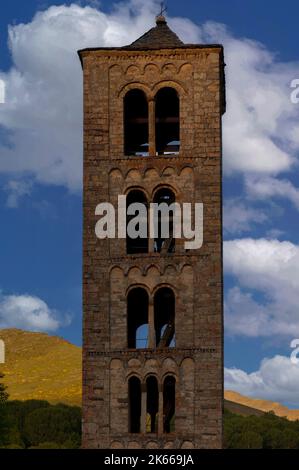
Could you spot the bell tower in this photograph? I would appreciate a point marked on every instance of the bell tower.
(152, 309)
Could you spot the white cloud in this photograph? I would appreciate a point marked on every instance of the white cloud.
(277, 380)
(275, 233)
(268, 187)
(260, 126)
(239, 217)
(269, 269)
(17, 189)
(29, 313)
(43, 110)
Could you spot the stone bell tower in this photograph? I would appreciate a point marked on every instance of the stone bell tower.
(153, 320)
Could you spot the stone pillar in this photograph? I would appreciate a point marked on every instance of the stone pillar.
(160, 415)
(151, 242)
(151, 325)
(152, 127)
(143, 409)
(151, 230)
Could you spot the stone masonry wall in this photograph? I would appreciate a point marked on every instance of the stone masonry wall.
(195, 276)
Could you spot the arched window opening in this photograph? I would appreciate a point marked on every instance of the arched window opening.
(134, 404)
(165, 245)
(152, 404)
(169, 404)
(164, 312)
(139, 244)
(167, 121)
(137, 315)
(136, 123)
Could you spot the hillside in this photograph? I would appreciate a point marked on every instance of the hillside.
(41, 366)
(47, 367)
(263, 405)
(241, 410)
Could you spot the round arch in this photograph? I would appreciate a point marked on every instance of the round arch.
(160, 186)
(135, 86)
(180, 89)
(138, 286)
(137, 188)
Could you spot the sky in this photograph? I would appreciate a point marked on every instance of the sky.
(41, 170)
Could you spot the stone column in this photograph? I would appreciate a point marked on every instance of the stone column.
(152, 127)
(143, 409)
(151, 230)
(151, 325)
(160, 415)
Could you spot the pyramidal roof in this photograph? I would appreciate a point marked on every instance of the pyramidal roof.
(159, 37)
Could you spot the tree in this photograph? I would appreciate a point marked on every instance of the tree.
(58, 424)
(4, 419)
(3, 393)
(249, 440)
(266, 431)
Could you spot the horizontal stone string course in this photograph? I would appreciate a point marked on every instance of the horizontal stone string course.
(154, 352)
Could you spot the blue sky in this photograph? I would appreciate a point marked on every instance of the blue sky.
(40, 170)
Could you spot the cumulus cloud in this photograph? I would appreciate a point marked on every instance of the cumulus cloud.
(269, 269)
(275, 233)
(17, 189)
(43, 110)
(277, 379)
(29, 313)
(269, 187)
(238, 217)
(259, 131)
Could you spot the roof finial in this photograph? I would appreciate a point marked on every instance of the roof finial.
(163, 8)
(160, 19)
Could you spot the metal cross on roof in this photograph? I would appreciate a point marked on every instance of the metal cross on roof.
(163, 8)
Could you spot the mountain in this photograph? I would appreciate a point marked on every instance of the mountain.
(256, 404)
(41, 366)
(46, 367)
(242, 410)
